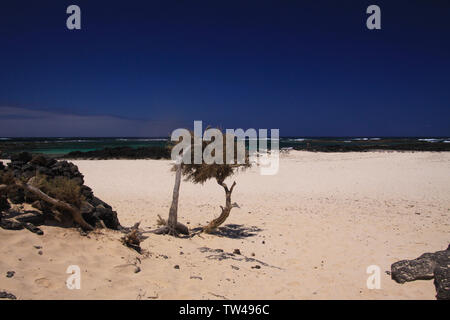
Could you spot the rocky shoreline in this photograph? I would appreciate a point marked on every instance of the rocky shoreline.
(162, 151)
(422, 146)
(122, 153)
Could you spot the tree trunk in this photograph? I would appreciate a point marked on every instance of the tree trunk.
(173, 212)
(225, 211)
(180, 228)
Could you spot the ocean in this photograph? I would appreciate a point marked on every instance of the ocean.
(61, 146)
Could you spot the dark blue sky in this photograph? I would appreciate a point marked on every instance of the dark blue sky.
(309, 68)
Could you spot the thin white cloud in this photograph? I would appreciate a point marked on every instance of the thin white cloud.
(23, 122)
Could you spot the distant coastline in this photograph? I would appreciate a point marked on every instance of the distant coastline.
(156, 147)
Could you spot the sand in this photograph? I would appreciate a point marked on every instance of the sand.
(316, 225)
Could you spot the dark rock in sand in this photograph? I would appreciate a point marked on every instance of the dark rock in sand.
(108, 216)
(428, 266)
(96, 202)
(442, 281)
(237, 251)
(10, 274)
(7, 295)
(31, 227)
(410, 270)
(87, 193)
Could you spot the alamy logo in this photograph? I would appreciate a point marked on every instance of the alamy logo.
(374, 280)
(74, 20)
(190, 148)
(74, 280)
(374, 20)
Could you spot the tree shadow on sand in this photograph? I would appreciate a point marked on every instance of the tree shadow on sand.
(234, 231)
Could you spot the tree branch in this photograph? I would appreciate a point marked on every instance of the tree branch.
(76, 214)
(232, 186)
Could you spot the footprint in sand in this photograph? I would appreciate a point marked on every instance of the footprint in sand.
(43, 282)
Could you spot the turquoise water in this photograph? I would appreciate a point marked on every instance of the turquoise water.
(60, 146)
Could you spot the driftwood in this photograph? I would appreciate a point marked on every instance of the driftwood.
(26, 220)
(225, 211)
(133, 238)
(75, 212)
(29, 219)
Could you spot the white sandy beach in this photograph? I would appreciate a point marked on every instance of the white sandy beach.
(317, 224)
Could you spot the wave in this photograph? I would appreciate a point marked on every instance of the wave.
(146, 139)
(430, 140)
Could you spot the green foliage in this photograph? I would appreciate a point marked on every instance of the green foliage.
(61, 188)
(200, 173)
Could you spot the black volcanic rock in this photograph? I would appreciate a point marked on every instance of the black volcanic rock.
(87, 193)
(96, 202)
(7, 295)
(428, 266)
(24, 166)
(107, 215)
(122, 153)
(22, 157)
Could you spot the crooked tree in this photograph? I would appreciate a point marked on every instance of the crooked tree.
(200, 173)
